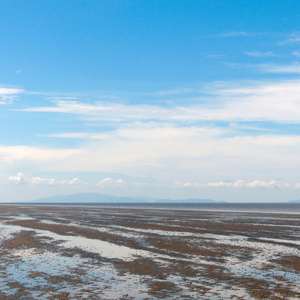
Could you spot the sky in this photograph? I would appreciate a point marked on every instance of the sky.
(163, 99)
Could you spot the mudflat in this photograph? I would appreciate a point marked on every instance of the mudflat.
(64, 252)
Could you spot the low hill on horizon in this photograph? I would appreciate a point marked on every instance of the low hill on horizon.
(104, 198)
(294, 201)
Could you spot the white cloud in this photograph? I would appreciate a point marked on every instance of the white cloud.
(10, 154)
(8, 94)
(43, 181)
(111, 183)
(10, 91)
(219, 184)
(19, 179)
(262, 184)
(256, 184)
(39, 181)
(237, 184)
(74, 181)
(78, 135)
(189, 184)
(162, 152)
(172, 147)
(167, 153)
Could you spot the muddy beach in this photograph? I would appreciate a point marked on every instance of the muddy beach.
(51, 252)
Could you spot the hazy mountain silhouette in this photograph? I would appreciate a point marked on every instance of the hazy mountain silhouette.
(103, 198)
(294, 201)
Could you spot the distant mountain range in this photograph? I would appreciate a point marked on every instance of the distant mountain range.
(294, 201)
(103, 198)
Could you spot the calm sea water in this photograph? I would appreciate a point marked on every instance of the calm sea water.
(236, 207)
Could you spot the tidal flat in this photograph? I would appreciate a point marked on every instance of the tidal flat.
(64, 252)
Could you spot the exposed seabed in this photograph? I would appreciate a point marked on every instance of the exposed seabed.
(112, 253)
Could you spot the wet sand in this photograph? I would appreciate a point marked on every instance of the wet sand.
(120, 253)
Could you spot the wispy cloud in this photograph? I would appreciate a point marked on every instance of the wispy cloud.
(173, 92)
(238, 33)
(296, 53)
(76, 135)
(294, 38)
(212, 55)
(288, 68)
(148, 131)
(248, 101)
(260, 54)
(242, 126)
(215, 55)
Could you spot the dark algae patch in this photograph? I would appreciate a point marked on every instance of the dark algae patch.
(21, 240)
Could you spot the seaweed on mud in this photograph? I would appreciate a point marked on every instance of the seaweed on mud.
(23, 239)
(161, 289)
(141, 266)
(291, 262)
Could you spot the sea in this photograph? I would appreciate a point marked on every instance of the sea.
(288, 208)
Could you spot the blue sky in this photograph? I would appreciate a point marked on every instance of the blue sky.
(170, 99)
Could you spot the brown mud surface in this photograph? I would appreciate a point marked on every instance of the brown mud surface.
(109, 253)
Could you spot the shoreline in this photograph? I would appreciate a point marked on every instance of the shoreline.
(274, 208)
